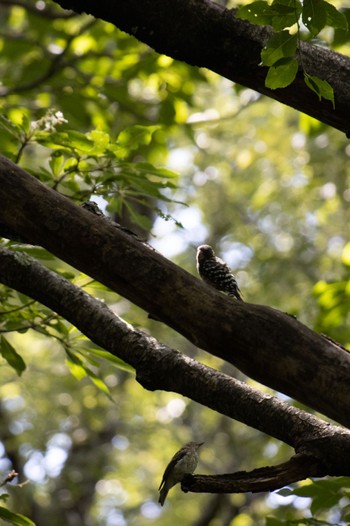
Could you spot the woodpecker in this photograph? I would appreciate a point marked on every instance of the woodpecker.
(215, 272)
(184, 462)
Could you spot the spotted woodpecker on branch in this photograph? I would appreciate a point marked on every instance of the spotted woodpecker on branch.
(216, 272)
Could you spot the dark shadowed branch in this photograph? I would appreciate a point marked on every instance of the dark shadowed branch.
(269, 478)
(206, 34)
(266, 344)
(324, 447)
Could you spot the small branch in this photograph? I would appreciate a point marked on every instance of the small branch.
(9, 478)
(270, 478)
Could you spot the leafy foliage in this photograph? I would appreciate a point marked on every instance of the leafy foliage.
(94, 114)
(281, 52)
(86, 164)
(324, 495)
(14, 518)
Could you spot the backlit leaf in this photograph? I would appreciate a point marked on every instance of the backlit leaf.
(281, 74)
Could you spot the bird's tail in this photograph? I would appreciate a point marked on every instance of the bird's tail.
(162, 495)
(236, 294)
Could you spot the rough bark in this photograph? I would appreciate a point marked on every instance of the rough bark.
(268, 345)
(322, 449)
(269, 478)
(205, 34)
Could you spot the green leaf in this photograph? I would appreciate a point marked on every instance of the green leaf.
(15, 518)
(257, 13)
(114, 360)
(11, 356)
(280, 45)
(280, 14)
(324, 501)
(140, 219)
(149, 168)
(282, 73)
(80, 370)
(346, 255)
(314, 15)
(322, 88)
(285, 13)
(56, 163)
(341, 36)
(100, 139)
(75, 365)
(12, 128)
(335, 18)
(26, 123)
(100, 384)
(70, 139)
(135, 136)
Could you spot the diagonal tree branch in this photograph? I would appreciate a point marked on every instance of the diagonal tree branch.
(206, 34)
(268, 345)
(325, 448)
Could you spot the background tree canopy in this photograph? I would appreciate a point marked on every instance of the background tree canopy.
(94, 398)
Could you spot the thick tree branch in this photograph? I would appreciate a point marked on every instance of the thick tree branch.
(205, 34)
(325, 447)
(272, 347)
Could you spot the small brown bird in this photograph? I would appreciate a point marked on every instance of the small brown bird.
(184, 462)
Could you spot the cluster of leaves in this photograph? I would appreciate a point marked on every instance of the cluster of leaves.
(104, 81)
(334, 304)
(324, 495)
(283, 49)
(19, 315)
(82, 165)
(8, 516)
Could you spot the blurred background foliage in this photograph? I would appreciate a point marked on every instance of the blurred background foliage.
(184, 157)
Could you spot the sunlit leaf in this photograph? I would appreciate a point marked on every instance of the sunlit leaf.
(11, 356)
(100, 141)
(282, 73)
(11, 127)
(15, 518)
(75, 365)
(114, 360)
(346, 255)
(322, 88)
(135, 136)
(71, 139)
